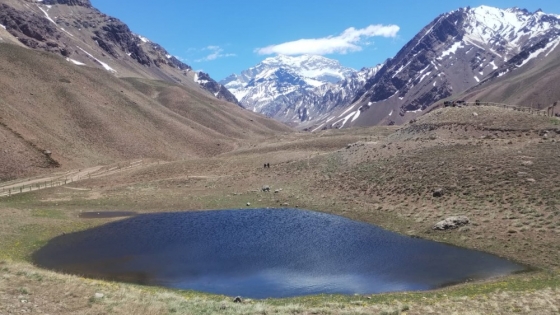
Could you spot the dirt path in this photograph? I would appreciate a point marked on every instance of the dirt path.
(64, 178)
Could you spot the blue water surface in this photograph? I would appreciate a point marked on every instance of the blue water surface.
(262, 253)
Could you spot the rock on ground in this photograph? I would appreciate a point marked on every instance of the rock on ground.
(451, 223)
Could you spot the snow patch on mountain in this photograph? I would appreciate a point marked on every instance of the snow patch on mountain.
(76, 62)
(104, 65)
(552, 44)
(312, 70)
(46, 15)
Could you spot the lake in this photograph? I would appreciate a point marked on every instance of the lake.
(260, 253)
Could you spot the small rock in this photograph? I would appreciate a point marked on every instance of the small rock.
(265, 188)
(522, 174)
(527, 163)
(276, 191)
(237, 299)
(451, 223)
(438, 192)
(248, 204)
(475, 114)
(98, 295)
(531, 180)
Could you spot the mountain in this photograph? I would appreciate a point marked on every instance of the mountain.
(83, 35)
(87, 116)
(456, 51)
(530, 82)
(296, 89)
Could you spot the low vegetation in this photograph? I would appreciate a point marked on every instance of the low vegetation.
(500, 168)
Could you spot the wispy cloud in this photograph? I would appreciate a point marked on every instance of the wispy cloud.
(214, 52)
(350, 40)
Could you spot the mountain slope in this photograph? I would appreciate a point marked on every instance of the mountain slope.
(87, 116)
(296, 90)
(456, 51)
(453, 53)
(535, 85)
(85, 36)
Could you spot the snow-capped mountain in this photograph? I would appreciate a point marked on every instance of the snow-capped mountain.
(456, 51)
(294, 89)
(87, 37)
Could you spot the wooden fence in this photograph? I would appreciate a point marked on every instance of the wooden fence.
(11, 188)
(541, 112)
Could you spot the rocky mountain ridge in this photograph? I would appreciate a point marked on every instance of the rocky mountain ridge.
(86, 36)
(456, 51)
(296, 89)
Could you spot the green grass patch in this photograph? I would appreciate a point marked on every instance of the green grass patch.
(48, 213)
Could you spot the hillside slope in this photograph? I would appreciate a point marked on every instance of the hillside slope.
(87, 116)
(455, 52)
(85, 36)
(533, 86)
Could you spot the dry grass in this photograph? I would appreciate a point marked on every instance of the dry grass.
(385, 177)
(26, 289)
(88, 117)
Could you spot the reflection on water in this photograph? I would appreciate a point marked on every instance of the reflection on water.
(265, 253)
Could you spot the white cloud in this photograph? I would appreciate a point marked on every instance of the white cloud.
(215, 53)
(350, 40)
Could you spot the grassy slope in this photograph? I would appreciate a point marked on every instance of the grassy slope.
(495, 167)
(88, 117)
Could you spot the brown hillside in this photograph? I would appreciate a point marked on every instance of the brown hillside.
(87, 116)
(536, 86)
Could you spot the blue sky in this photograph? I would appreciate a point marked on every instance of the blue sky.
(222, 37)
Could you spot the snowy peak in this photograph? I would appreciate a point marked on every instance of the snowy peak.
(455, 52)
(297, 89)
(511, 27)
(280, 75)
(311, 66)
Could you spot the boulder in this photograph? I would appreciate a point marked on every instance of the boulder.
(451, 223)
(438, 192)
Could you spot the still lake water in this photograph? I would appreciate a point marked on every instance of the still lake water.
(261, 253)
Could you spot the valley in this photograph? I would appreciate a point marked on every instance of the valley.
(98, 123)
(497, 167)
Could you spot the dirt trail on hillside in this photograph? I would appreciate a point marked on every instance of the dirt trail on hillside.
(65, 178)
